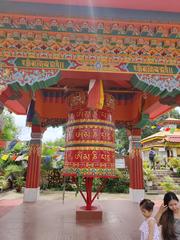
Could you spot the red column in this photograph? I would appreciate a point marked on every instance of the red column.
(136, 168)
(34, 162)
(89, 183)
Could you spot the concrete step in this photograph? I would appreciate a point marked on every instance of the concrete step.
(160, 175)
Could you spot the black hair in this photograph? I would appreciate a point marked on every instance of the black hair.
(167, 218)
(168, 197)
(147, 204)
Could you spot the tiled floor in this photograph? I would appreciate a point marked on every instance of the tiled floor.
(53, 220)
(7, 205)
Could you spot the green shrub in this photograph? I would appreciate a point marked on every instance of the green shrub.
(120, 184)
(15, 170)
(3, 183)
(174, 162)
(168, 184)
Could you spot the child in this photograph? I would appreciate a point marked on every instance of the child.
(149, 229)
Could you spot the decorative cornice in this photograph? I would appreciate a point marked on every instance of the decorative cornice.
(84, 26)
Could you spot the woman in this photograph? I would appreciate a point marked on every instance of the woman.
(168, 217)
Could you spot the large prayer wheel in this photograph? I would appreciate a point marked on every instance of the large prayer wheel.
(90, 138)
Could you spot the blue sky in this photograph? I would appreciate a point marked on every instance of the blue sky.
(50, 134)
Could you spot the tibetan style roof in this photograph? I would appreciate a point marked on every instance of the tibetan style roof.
(175, 139)
(49, 49)
(163, 135)
(158, 135)
(170, 121)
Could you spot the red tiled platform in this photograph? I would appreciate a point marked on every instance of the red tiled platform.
(52, 220)
(95, 214)
(8, 205)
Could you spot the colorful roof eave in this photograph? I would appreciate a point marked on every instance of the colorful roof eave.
(173, 140)
(139, 81)
(155, 146)
(151, 82)
(151, 139)
(173, 145)
(170, 121)
(166, 136)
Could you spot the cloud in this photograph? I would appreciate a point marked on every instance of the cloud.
(50, 134)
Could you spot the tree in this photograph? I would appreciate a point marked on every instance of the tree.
(9, 129)
(59, 142)
(122, 142)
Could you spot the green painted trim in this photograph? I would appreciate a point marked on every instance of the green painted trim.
(37, 85)
(137, 83)
(143, 121)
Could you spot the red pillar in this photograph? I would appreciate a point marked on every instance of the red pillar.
(89, 183)
(31, 192)
(136, 168)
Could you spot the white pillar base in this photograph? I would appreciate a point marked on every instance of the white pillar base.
(136, 195)
(31, 194)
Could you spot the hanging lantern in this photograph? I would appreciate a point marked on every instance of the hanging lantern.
(90, 138)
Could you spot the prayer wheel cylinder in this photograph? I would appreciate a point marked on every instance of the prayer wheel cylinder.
(90, 138)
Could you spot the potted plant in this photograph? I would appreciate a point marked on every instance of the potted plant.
(19, 183)
(13, 172)
(149, 176)
(174, 163)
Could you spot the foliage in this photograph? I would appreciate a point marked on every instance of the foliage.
(3, 183)
(19, 147)
(120, 184)
(43, 178)
(48, 150)
(4, 164)
(148, 172)
(122, 142)
(15, 170)
(146, 164)
(60, 142)
(45, 166)
(96, 183)
(169, 185)
(9, 131)
(174, 162)
(178, 171)
(19, 182)
(60, 164)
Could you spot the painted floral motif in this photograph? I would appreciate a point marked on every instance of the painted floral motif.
(163, 82)
(26, 76)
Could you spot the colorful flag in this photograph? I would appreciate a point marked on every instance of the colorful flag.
(172, 130)
(95, 94)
